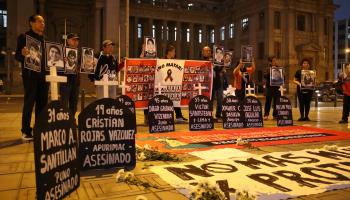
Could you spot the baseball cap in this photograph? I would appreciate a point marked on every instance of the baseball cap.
(72, 35)
(107, 42)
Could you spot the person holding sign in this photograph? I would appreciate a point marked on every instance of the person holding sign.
(271, 91)
(170, 53)
(242, 77)
(304, 94)
(219, 80)
(106, 64)
(345, 77)
(70, 91)
(35, 86)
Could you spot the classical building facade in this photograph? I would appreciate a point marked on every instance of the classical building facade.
(288, 29)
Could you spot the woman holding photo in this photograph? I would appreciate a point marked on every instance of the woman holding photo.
(304, 94)
(242, 77)
(272, 92)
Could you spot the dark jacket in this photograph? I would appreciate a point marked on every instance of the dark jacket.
(106, 64)
(21, 43)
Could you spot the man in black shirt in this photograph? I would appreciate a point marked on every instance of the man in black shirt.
(35, 86)
(70, 91)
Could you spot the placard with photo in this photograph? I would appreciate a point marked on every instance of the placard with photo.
(276, 76)
(54, 56)
(150, 47)
(87, 61)
(218, 55)
(308, 79)
(33, 60)
(247, 53)
(71, 61)
(228, 59)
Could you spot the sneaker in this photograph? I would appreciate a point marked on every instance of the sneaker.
(307, 119)
(301, 119)
(181, 120)
(27, 137)
(343, 121)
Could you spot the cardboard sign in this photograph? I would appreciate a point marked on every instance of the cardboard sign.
(127, 101)
(201, 113)
(107, 136)
(284, 112)
(252, 112)
(161, 114)
(232, 115)
(56, 153)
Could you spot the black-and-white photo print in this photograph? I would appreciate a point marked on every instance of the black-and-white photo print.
(87, 61)
(54, 56)
(218, 55)
(247, 53)
(33, 60)
(71, 60)
(277, 77)
(150, 47)
(228, 59)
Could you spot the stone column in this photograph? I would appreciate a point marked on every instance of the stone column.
(135, 30)
(98, 25)
(269, 40)
(217, 35)
(127, 31)
(178, 40)
(164, 41)
(112, 22)
(192, 42)
(18, 13)
(42, 7)
(204, 35)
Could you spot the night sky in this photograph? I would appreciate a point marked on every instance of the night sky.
(344, 11)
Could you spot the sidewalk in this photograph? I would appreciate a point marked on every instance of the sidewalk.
(17, 162)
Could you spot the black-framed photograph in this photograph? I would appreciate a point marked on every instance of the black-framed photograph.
(218, 55)
(228, 59)
(71, 61)
(308, 79)
(33, 60)
(150, 47)
(54, 56)
(247, 53)
(87, 61)
(276, 76)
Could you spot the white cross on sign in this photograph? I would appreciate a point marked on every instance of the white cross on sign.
(230, 91)
(250, 89)
(282, 89)
(199, 88)
(105, 83)
(159, 87)
(123, 87)
(54, 79)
